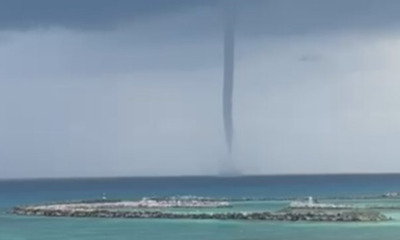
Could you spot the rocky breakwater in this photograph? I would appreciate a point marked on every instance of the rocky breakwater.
(312, 216)
(142, 204)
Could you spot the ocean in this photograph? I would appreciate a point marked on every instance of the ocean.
(19, 192)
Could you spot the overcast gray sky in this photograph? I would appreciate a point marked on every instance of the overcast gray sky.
(133, 87)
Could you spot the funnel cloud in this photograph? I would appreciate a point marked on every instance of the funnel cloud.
(229, 47)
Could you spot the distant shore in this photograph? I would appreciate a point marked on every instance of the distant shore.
(389, 195)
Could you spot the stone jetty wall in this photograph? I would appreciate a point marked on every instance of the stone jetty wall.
(356, 216)
(144, 203)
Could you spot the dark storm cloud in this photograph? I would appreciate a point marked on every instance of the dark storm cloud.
(294, 17)
(85, 14)
(273, 17)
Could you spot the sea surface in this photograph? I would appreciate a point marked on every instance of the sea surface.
(17, 192)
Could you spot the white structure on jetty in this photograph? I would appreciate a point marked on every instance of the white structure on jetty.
(313, 204)
(104, 197)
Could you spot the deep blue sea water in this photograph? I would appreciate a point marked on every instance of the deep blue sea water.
(18, 192)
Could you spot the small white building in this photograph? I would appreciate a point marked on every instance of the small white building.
(312, 204)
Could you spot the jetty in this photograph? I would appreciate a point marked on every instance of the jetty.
(162, 209)
(317, 216)
(144, 203)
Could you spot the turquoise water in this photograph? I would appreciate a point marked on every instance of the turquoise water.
(42, 229)
(32, 228)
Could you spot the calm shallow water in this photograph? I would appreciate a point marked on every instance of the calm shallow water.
(24, 192)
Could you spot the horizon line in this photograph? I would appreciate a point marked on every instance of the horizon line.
(196, 176)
